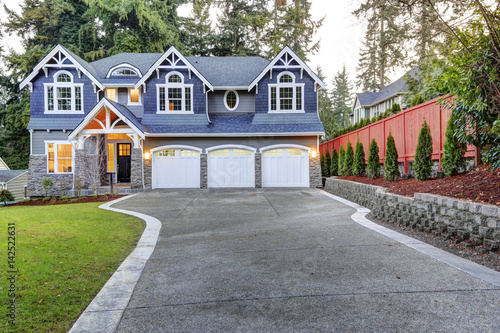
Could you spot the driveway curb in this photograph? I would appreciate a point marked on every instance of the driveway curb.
(105, 311)
(467, 266)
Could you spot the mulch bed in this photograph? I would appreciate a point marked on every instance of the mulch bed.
(479, 185)
(57, 201)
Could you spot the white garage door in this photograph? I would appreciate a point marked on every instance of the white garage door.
(231, 168)
(285, 167)
(176, 168)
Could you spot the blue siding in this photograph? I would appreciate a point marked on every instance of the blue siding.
(199, 98)
(37, 98)
(310, 96)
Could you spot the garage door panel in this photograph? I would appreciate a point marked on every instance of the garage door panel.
(176, 168)
(231, 168)
(285, 167)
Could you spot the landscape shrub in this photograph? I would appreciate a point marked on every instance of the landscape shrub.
(322, 162)
(423, 156)
(328, 162)
(359, 166)
(373, 160)
(47, 185)
(334, 167)
(391, 171)
(341, 161)
(47, 199)
(6, 196)
(349, 159)
(453, 150)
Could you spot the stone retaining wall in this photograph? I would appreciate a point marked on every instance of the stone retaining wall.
(474, 224)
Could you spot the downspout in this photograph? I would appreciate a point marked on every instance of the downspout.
(142, 164)
(206, 104)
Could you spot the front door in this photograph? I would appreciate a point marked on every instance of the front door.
(124, 162)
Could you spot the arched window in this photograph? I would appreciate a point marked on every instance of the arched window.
(286, 95)
(174, 96)
(124, 72)
(63, 95)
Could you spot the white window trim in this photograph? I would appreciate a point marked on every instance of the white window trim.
(174, 85)
(237, 100)
(128, 98)
(120, 66)
(56, 166)
(56, 85)
(279, 85)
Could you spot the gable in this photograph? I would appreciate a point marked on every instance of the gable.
(60, 57)
(3, 165)
(287, 59)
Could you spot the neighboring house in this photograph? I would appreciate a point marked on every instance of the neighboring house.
(16, 182)
(3, 165)
(167, 121)
(372, 104)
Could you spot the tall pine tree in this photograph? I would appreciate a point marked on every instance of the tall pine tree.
(341, 98)
(197, 33)
(325, 109)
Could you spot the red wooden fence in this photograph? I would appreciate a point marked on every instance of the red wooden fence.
(405, 127)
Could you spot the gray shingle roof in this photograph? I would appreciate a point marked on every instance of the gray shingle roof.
(174, 119)
(238, 125)
(142, 61)
(229, 71)
(7, 175)
(53, 123)
(128, 114)
(285, 119)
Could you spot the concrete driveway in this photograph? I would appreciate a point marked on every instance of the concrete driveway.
(291, 260)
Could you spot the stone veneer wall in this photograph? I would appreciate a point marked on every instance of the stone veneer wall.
(258, 170)
(37, 171)
(473, 223)
(203, 170)
(136, 168)
(315, 172)
(148, 176)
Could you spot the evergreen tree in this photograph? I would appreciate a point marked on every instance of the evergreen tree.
(359, 166)
(325, 109)
(342, 171)
(328, 162)
(341, 98)
(291, 24)
(373, 160)
(334, 168)
(197, 33)
(322, 162)
(349, 159)
(453, 150)
(391, 171)
(423, 156)
(240, 27)
(6, 196)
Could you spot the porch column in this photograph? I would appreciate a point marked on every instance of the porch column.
(203, 171)
(315, 171)
(136, 168)
(258, 170)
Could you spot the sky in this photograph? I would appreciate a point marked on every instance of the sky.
(341, 38)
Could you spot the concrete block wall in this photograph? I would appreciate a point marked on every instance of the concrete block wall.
(474, 224)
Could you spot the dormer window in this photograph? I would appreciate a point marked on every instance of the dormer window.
(174, 96)
(63, 96)
(124, 72)
(286, 95)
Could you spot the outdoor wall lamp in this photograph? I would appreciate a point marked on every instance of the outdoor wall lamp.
(147, 156)
(314, 153)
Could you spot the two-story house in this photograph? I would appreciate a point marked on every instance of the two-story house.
(163, 120)
(373, 104)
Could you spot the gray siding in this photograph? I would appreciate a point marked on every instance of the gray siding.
(137, 110)
(254, 142)
(39, 137)
(16, 186)
(216, 102)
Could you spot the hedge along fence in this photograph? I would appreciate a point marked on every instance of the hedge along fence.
(405, 127)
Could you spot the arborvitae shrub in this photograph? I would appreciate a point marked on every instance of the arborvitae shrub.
(391, 160)
(6, 196)
(453, 150)
(328, 162)
(341, 161)
(423, 156)
(334, 167)
(349, 159)
(322, 161)
(373, 160)
(359, 166)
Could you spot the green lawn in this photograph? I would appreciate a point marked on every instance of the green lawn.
(64, 255)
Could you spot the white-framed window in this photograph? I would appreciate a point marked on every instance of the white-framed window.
(286, 95)
(63, 95)
(59, 156)
(174, 96)
(124, 72)
(112, 94)
(231, 100)
(134, 96)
